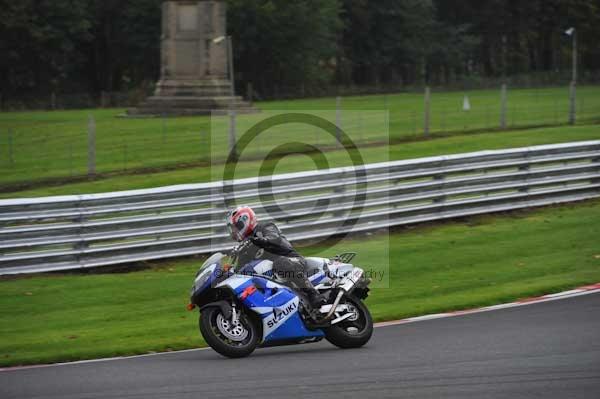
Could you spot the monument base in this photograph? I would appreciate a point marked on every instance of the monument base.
(192, 97)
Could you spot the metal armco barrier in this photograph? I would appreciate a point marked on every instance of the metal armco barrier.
(72, 232)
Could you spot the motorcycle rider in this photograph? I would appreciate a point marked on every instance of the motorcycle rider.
(269, 243)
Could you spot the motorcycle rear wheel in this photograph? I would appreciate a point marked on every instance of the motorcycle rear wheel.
(233, 341)
(352, 333)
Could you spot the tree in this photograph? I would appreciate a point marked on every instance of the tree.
(533, 29)
(386, 39)
(41, 44)
(95, 45)
(401, 41)
(279, 43)
(126, 47)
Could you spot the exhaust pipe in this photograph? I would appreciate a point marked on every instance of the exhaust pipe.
(345, 288)
(335, 305)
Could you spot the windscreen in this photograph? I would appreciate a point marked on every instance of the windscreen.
(216, 258)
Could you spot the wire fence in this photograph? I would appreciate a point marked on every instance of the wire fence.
(39, 146)
(63, 101)
(58, 100)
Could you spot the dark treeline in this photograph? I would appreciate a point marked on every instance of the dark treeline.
(109, 45)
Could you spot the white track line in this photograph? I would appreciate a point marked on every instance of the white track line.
(592, 289)
(587, 290)
(108, 359)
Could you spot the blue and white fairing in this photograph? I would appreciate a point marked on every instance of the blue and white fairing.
(209, 274)
(277, 305)
(265, 268)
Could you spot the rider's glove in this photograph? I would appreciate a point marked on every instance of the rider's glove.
(259, 241)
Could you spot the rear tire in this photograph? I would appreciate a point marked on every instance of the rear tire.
(352, 334)
(226, 339)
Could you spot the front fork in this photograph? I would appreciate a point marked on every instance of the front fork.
(234, 314)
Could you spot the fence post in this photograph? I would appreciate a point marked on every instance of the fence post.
(11, 154)
(205, 146)
(125, 154)
(53, 101)
(361, 126)
(503, 106)
(232, 136)
(438, 179)
(71, 158)
(513, 116)
(573, 104)
(414, 120)
(338, 120)
(91, 146)
(250, 92)
(427, 121)
(104, 99)
(164, 127)
(444, 111)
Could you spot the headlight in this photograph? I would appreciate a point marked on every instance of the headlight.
(203, 277)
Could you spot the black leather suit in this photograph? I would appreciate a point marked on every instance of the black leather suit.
(269, 243)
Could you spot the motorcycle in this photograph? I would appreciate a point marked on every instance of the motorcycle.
(246, 307)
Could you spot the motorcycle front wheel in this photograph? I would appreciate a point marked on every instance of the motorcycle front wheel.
(230, 339)
(355, 331)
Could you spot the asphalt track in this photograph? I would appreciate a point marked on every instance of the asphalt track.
(545, 350)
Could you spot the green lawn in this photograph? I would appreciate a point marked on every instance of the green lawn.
(446, 145)
(41, 145)
(455, 265)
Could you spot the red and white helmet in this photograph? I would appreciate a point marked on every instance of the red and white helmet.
(241, 223)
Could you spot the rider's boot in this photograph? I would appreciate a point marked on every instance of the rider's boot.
(315, 301)
(294, 273)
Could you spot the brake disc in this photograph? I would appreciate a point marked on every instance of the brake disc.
(233, 331)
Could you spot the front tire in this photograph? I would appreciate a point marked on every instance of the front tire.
(354, 332)
(228, 339)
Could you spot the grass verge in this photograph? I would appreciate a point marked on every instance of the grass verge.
(36, 146)
(462, 264)
(408, 150)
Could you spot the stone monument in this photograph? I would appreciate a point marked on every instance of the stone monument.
(195, 77)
